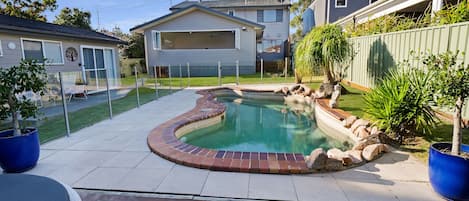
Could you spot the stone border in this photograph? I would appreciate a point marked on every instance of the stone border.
(163, 141)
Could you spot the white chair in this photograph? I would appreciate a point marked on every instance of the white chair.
(31, 96)
(71, 89)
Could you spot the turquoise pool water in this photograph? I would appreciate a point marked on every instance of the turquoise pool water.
(262, 126)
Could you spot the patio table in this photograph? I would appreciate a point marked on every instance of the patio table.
(24, 187)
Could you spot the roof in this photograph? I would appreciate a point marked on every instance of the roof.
(32, 26)
(232, 3)
(192, 8)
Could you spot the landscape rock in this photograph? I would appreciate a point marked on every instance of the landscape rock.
(285, 91)
(356, 156)
(307, 91)
(278, 91)
(317, 159)
(362, 133)
(339, 155)
(363, 143)
(349, 121)
(374, 130)
(371, 152)
(334, 164)
(294, 87)
(334, 102)
(358, 123)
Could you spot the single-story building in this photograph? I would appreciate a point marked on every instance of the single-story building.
(83, 52)
(202, 37)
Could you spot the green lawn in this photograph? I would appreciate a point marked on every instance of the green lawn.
(213, 81)
(52, 128)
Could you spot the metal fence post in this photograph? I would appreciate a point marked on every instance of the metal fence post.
(156, 82)
(188, 75)
(170, 80)
(180, 76)
(286, 66)
(219, 73)
(136, 86)
(262, 69)
(237, 72)
(64, 104)
(109, 102)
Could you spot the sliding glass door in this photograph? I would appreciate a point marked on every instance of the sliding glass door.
(95, 63)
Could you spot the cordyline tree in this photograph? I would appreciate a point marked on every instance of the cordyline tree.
(74, 17)
(324, 49)
(452, 88)
(297, 9)
(27, 77)
(27, 9)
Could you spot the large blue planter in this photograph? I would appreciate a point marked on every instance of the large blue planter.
(19, 153)
(449, 175)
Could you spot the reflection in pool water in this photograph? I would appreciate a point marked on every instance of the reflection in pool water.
(262, 126)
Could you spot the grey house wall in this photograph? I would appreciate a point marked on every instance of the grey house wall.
(204, 62)
(320, 9)
(272, 31)
(13, 57)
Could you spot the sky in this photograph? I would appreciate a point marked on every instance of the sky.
(122, 13)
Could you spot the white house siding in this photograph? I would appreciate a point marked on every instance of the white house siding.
(13, 57)
(204, 61)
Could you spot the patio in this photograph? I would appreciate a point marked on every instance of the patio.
(113, 155)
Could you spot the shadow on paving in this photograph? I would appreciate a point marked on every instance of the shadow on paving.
(104, 196)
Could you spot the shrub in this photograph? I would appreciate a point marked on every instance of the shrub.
(400, 104)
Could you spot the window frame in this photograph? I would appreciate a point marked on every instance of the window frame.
(44, 54)
(237, 38)
(341, 6)
(156, 44)
(275, 16)
(1, 49)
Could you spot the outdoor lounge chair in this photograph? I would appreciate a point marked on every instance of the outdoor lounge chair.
(31, 96)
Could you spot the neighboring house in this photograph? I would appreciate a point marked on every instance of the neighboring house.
(413, 8)
(322, 12)
(66, 49)
(202, 33)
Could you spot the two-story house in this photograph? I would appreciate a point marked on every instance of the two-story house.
(203, 33)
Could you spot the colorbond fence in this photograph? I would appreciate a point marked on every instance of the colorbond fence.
(376, 54)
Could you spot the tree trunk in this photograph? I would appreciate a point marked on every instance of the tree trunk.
(16, 124)
(457, 131)
(329, 78)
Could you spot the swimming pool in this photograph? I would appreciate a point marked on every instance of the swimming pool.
(262, 126)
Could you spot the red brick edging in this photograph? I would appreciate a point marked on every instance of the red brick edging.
(162, 141)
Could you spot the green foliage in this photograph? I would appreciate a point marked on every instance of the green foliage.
(297, 9)
(74, 17)
(320, 49)
(135, 47)
(452, 77)
(28, 76)
(391, 23)
(29, 9)
(400, 104)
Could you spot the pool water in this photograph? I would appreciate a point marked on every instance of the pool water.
(262, 126)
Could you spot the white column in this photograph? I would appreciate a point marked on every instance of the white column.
(436, 5)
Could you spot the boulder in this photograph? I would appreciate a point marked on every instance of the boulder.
(358, 123)
(339, 155)
(349, 121)
(285, 91)
(363, 143)
(278, 91)
(374, 130)
(307, 91)
(355, 155)
(334, 164)
(371, 152)
(317, 159)
(334, 102)
(362, 133)
(294, 87)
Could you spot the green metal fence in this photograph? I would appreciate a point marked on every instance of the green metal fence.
(376, 54)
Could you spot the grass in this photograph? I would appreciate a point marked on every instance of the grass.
(54, 127)
(213, 81)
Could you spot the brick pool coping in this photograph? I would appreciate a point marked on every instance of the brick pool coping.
(163, 141)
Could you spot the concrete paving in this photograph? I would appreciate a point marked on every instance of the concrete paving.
(113, 155)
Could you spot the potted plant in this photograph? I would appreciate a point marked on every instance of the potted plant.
(449, 162)
(19, 146)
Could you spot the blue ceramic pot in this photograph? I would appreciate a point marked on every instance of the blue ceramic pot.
(449, 175)
(19, 153)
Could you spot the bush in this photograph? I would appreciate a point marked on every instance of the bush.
(400, 104)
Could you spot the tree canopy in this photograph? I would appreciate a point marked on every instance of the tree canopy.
(74, 17)
(29, 9)
(297, 9)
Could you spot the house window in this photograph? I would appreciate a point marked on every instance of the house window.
(269, 46)
(156, 40)
(38, 50)
(340, 3)
(372, 1)
(200, 40)
(270, 15)
(1, 49)
(231, 12)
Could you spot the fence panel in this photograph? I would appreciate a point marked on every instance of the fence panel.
(377, 54)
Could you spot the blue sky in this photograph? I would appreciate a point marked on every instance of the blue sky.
(125, 14)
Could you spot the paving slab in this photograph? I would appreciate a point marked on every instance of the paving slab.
(366, 190)
(142, 180)
(126, 159)
(184, 180)
(318, 189)
(226, 184)
(102, 178)
(266, 186)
